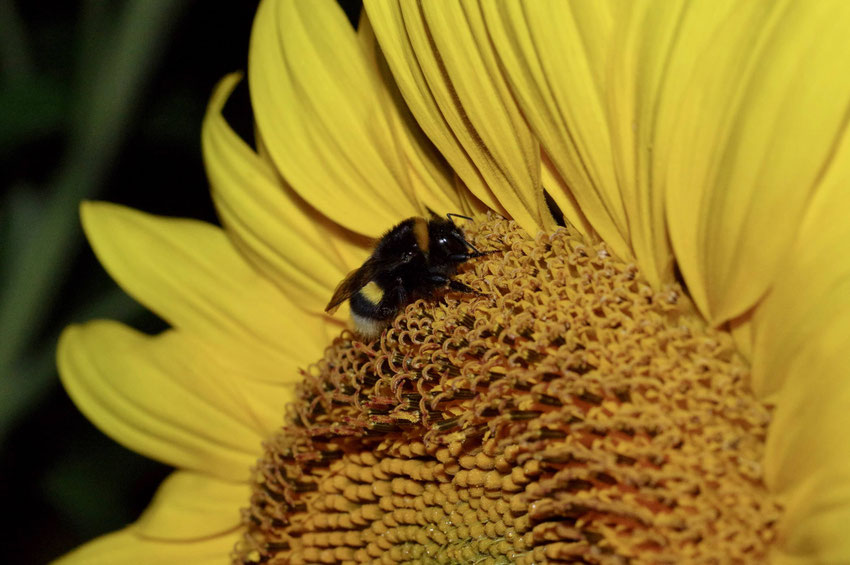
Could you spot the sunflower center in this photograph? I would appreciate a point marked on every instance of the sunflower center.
(570, 413)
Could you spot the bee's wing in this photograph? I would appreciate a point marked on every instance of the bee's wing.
(354, 281)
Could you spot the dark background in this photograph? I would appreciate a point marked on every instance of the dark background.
(99, 100)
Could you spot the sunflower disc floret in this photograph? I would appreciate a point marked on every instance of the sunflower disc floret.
(571, 414)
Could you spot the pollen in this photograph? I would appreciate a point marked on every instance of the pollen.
(568, 414)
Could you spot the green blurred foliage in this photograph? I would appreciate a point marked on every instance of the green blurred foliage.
(97, 100)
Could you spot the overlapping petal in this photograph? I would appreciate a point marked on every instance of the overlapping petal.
(555, 57)
(388, 23)
(639, 72)
(168, 397)
(430, 174)
(813, 292)
(465, 77)
(300, 250)
(801, 339)
(447, 72)
(755, 104)
(806, 461)
(190, 274)
(322, 111)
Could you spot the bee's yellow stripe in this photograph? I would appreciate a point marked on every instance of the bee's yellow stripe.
(420, 232)
(373, 292)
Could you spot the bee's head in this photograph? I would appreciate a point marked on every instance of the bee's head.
(446, 242)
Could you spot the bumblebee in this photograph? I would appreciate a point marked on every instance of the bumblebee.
(413, 260)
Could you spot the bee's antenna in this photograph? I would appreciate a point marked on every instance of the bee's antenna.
(450, 216)
(432, 213)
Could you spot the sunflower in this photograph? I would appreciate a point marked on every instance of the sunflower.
(663, 377)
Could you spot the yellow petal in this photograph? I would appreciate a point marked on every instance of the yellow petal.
(166, 397)
(189, 274)
(638, 72)
(684, 134)
(554, 55)
(457, 58)
(431, 177)
(191, 506)
(127, 547)
(800, 360)
(346, 244)
(322, 114)
(755, 102)
(567, 204)
(285, 238)
(741, 329)
(814, 288)
(470, 203)
(806, 460)
(813, 292)
(389, 27)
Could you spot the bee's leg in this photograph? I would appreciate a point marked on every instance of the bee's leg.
(457, 286)
(462, 257)
(460, 287)
(437, 279)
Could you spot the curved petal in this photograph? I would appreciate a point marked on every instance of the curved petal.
(470, 203)
(456, 55)
(189, 273)
(800, 359)
(747, 129)
(555, 56)
(347, 244)
(814, 288)
(321, 110)
(128, 547)
(741, 329)
(638, 72)
(389, 26)
(167, 398)
(806, 460)
(191, 506)
(430, 175)
(285, 238)
(682, 134)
